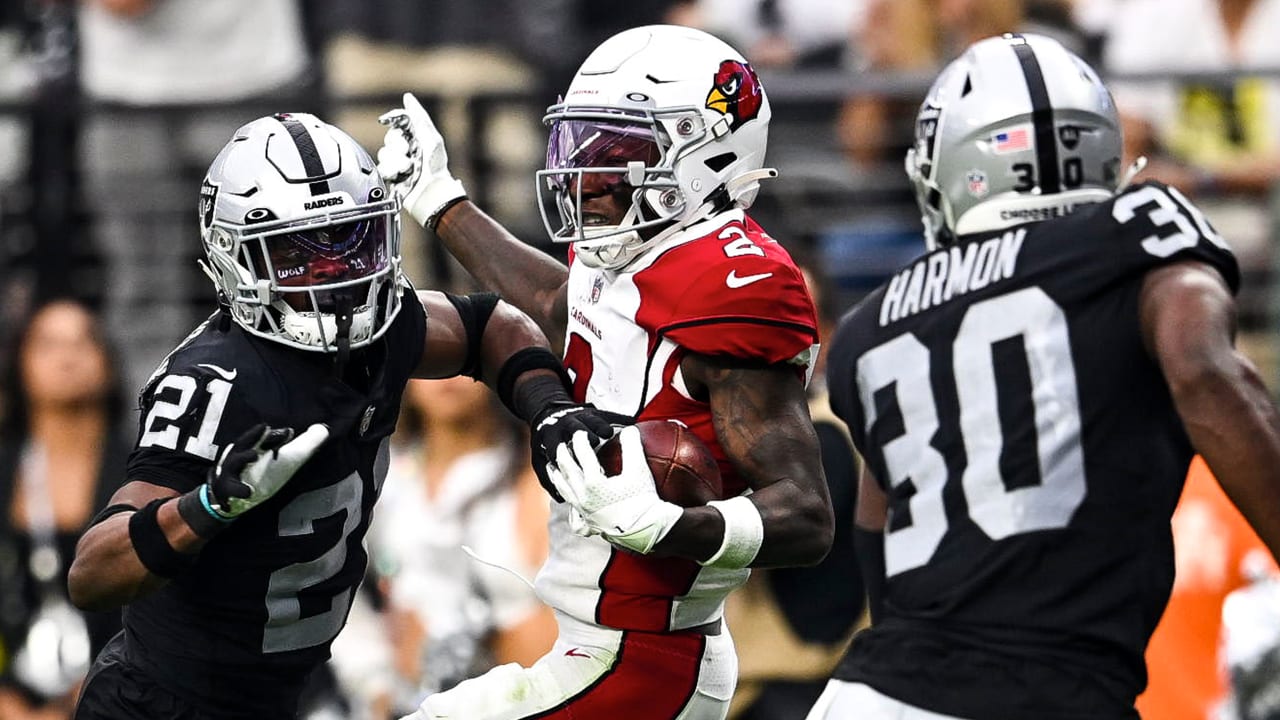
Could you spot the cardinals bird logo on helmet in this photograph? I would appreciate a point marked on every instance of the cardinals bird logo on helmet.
(735, 92)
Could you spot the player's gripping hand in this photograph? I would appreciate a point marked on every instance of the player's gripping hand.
(625, 508)
(257, 465)
(413, 159)
(557, 425)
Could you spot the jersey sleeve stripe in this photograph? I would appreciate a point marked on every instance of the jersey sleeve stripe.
(748, 319)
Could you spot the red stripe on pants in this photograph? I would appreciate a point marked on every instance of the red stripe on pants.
(653, 679)
(639, 590)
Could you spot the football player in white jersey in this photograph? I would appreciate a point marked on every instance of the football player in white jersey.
(675, 304)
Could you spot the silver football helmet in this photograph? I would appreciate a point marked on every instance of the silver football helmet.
(1016, 130)
(671, 113)
(301, 235)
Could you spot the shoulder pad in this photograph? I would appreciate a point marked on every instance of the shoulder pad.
(195, 410)
(734, 291)
(1154, 224)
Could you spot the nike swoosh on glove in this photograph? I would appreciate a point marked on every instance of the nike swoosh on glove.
(259, 463)
(413, 160)
(625, 508)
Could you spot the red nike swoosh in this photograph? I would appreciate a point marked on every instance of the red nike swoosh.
(573, 652)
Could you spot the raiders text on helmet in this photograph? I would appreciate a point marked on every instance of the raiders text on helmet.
(1016, 130)
(301, 235)
(689, 115)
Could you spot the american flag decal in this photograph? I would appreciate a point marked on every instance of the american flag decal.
(1009, 141)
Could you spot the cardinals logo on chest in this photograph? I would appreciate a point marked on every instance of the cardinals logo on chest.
(735, 92)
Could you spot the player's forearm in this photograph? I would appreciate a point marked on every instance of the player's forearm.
(524, 276)
(507, 333)
(1233, 423)
(516, 362)
(798, 529)
(107, 572)
(798, 524)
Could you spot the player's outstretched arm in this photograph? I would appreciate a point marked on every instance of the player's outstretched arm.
(413, 160)
(485, 338)
(149, 534)
(528, 278)
(762, 420)
(1188, 321)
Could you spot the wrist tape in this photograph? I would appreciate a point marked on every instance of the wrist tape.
(196, 510)
(534, 394)
(743, 533)
(434, 220)
(151, 545)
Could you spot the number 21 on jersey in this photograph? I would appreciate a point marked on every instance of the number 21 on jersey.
(898, 372)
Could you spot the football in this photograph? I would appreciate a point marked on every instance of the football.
(684, 471)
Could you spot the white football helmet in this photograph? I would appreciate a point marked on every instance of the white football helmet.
(671, 113)
(1017, 129)
(301, 235)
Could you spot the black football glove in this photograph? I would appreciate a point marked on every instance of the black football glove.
(557, 424)
(259, 463)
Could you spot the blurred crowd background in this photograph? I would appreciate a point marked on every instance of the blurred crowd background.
(110, 111)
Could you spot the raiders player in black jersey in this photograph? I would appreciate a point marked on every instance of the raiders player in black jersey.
(235, 543)
(1028, 396)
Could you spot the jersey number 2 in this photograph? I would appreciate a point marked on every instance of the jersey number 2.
(901, 369)
(287, 587)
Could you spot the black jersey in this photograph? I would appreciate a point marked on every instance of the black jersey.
(1032, 457)
(239, 632)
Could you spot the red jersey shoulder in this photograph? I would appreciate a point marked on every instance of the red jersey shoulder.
(734, 290)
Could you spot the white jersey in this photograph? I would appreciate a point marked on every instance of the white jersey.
(721, 287)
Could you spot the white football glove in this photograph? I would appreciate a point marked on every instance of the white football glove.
(625, 509)
(413, 160)
(255, 466)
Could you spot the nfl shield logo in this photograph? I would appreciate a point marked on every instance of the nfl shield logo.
(597, 287)
(977, 183)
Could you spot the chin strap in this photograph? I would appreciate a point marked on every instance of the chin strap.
(342, 313)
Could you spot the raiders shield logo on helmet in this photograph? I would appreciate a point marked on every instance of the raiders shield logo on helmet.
(208, 200)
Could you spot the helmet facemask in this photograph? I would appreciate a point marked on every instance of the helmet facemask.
(314, 282)
(597, 152)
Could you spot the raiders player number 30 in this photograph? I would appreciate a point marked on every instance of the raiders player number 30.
(1028, 396)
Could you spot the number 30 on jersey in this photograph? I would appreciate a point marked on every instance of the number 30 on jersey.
(899, 372)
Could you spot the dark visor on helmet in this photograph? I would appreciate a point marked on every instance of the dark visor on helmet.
(576, 144)
(337, 253)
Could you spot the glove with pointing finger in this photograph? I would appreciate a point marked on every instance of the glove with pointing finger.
(413, 160)
(255, 466)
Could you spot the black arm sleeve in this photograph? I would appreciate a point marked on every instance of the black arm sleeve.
(474, 310)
